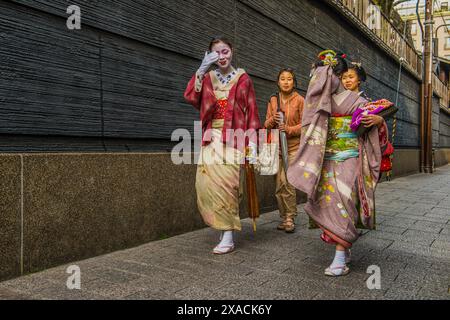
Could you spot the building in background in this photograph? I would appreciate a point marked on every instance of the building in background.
(407, 11)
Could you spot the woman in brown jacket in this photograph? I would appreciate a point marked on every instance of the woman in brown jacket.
(291, 105)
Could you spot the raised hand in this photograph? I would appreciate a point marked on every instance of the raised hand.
(208, 61)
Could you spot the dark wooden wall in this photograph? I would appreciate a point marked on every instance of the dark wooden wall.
(118, 83)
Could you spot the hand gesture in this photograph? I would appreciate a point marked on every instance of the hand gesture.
(279, 118)
(208, 61)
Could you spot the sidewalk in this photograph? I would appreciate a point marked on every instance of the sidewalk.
(411, 246)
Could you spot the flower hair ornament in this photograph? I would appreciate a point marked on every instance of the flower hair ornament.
(329, 58)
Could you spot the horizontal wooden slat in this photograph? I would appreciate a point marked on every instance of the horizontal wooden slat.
(123, 75)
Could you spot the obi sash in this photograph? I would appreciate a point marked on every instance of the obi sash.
(342, 142)
(220, 110)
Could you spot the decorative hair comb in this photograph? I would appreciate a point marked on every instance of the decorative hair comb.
(329, 57)
(357, 64)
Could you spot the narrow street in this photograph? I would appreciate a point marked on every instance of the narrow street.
(411, 247)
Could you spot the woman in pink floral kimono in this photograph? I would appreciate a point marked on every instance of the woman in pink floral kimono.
(335, 168)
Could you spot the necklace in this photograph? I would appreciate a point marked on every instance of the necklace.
(225, 79)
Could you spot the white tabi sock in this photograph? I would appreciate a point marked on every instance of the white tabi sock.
(337, 267)
(227, 240)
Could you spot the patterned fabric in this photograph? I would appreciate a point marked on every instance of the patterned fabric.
(368, 109)
(342, 142)
(218, 183)
(241, 112)
(334, 188)
(221, 109)
(223, 106)
(224, 80)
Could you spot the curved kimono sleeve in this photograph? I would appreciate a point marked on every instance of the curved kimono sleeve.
(270, 117)
(296, 131)
(253, 122)
(193, 93)
(372, 146)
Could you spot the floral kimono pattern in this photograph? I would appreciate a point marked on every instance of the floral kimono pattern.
(337, 170)
(223, 106)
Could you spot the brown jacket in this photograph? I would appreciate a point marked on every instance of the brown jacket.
(293, 111)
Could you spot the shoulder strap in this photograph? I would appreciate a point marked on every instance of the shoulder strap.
(278, 102)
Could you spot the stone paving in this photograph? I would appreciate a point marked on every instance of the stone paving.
(411, 247)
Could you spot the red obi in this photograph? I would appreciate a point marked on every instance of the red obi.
(221, 108)
(339, 115)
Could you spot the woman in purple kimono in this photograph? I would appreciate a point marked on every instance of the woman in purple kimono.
(335, 168)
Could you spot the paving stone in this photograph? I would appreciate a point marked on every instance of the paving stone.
(428, 226)
(391, 229)
(368, 295)
(11, 294)
(401, 294)
(417, 236)
(410, 245)
(383, 235)
(442, 211)
(441, 245)
(400, 222)
(374, 243)
(420, 218)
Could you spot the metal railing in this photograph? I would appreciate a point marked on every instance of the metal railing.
(374, 19)
(442, 91)
(392, 40)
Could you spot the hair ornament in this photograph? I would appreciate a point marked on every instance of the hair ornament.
(328, 58)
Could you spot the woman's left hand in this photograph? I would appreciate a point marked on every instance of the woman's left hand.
(372, 120)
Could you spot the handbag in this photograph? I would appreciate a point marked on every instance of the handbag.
(383, 108)
(268, 159)
(386, 161)
(387, 113)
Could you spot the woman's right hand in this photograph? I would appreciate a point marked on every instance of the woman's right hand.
(208, 61)
(278, 117)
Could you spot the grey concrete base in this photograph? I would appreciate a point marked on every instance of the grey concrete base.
(10, 217)
(76, 206)
(411, 247)
(59, 208)
(441, 157)
(407, 161)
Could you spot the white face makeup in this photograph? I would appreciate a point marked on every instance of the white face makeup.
(350, 80)
(225, 56)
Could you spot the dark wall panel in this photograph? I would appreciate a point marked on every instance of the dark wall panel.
(118, 83)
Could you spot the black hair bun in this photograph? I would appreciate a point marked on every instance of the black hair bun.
(336, 59)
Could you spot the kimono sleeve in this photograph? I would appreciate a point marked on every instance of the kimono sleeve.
(193, 93)
(270, 117)
(253, 121)
(295, 131)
